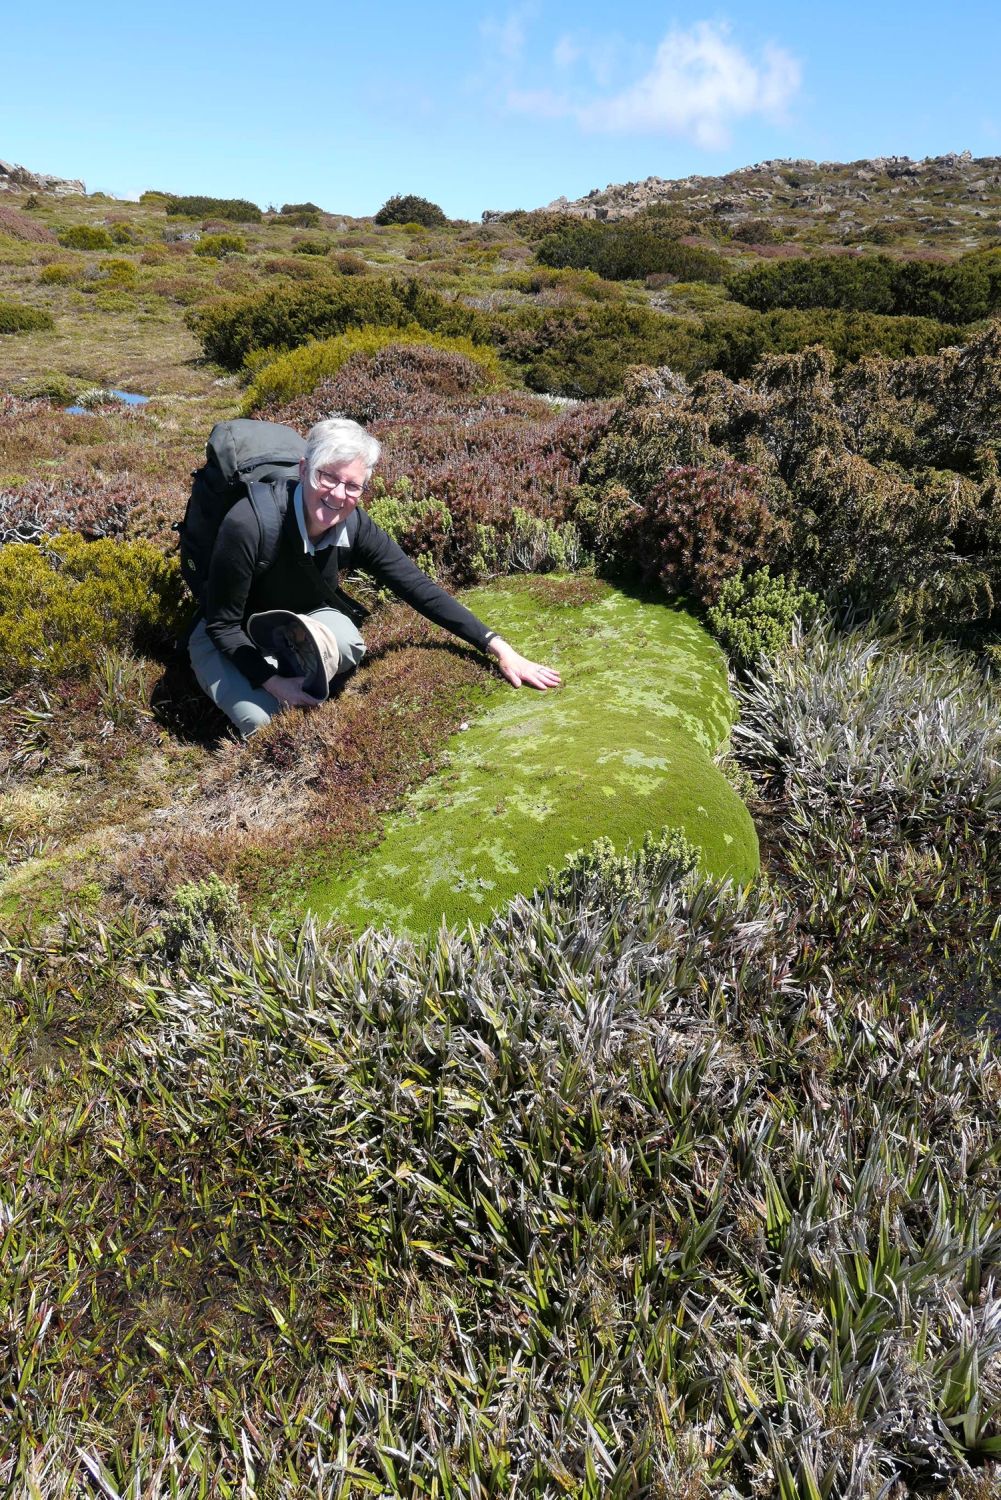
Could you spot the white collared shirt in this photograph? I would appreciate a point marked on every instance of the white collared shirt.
(332, 537)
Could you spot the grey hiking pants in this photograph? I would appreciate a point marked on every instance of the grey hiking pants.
(248, 707)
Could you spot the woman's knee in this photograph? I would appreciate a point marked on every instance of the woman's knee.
(247, 717)
(352, 649)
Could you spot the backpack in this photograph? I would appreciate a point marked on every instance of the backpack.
(242, 458)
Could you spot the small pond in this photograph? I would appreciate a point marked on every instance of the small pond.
(128, 398)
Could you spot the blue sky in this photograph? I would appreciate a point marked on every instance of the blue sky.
(506, 106)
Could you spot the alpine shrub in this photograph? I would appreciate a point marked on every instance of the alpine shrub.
(86, 237)
(240, 209)
(299, 371)
(350, 263)
(15, 318)
(221, 244)
(115, 271)
(62, 273)
(756, 613)
(697, 527)
(628, 251)
(663, 857)
(419, 524)
(312, 247)
(16, 225)
(126, 234)
(961, 292)
(407, 208)
(300, 215)
(64, 599)
(200, 913)
(285, 316)
(537, 545)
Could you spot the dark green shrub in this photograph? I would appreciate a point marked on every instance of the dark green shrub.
(849, 282)
(285, 316)
(197, 207)
(885, 478)
(962, 292)
(301, 215)
(734, 341)
(86, 237)
(15, 318)
(586, 350)
(628, 251)
(221, 244)
(758, 232)
(563, 285)
(312, 247)
(62, 601)
(407, 208)
(882, 233)
(755, 613)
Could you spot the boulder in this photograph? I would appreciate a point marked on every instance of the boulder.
(15, 179)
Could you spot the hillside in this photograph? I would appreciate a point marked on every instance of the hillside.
(950, 202)
(648, 1183)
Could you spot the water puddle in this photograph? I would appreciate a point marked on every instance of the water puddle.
(128, 398)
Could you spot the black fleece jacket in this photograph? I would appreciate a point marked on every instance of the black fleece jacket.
(301, 582)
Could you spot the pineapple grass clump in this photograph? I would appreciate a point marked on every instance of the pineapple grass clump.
(871, 726)
(606, 1198)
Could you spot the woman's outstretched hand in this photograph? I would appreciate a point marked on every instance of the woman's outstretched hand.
(518, 669)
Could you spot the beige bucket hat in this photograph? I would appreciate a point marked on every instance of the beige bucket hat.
(302, 647)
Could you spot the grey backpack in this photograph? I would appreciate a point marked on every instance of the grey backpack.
(242, 458)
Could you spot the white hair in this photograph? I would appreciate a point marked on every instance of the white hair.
(338, 440)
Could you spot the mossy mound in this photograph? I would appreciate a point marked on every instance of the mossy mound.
(626, 745)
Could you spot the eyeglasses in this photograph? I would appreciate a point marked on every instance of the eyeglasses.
(324, 480)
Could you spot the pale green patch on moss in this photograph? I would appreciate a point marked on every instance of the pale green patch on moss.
(625, 746)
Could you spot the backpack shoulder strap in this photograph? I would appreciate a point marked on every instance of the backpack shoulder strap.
(270, 503)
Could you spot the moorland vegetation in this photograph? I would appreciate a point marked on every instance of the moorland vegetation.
(648, 1183)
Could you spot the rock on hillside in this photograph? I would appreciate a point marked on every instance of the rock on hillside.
(14, 179)
(941, 195)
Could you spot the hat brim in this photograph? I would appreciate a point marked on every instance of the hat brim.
(296, 643)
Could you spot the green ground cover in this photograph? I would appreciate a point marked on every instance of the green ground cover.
(626, 745)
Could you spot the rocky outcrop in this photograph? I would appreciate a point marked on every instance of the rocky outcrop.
(14, 179)
(789, 187)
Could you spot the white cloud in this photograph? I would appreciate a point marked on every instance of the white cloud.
(507, 36)
(699, 83)
(566, 52)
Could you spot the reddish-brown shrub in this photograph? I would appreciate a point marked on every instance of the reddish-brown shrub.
(43, 509)
(296, 267)
(349, 263)
(481, 455)
(698, 527)
(20, 226)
